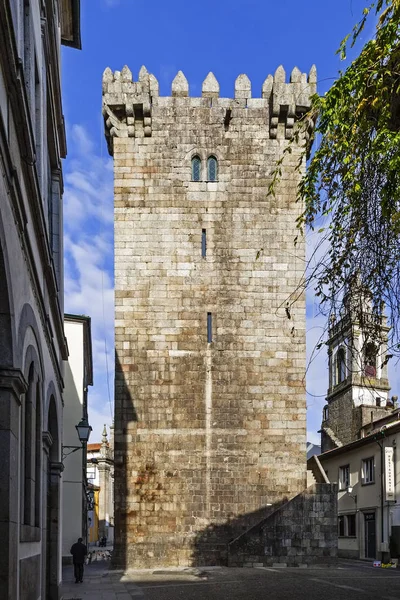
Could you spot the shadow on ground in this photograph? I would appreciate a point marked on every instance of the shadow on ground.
(345, 582)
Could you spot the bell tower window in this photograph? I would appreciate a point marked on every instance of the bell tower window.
(340, 366)
(370, 360)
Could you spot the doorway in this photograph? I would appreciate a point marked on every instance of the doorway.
(370, 535)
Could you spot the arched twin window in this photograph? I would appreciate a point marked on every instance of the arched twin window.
(212, 168)
(196, 168)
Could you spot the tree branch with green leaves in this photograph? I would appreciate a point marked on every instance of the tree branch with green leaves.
(351, 188)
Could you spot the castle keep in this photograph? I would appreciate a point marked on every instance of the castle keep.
(210, 422)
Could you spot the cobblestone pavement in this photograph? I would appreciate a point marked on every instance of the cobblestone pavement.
(350, 581)
(98, 584)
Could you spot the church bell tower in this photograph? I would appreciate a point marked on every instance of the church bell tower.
(358, 391)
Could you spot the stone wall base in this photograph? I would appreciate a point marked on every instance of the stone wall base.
(301, 532)
(349, 554)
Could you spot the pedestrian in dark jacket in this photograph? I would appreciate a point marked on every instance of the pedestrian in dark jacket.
(78, 551)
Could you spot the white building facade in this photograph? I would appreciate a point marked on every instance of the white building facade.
(78, 376)
(368, 475)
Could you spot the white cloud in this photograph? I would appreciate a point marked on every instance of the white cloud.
(313, 437)
(81, 139)
(88, 262)
(88, 179)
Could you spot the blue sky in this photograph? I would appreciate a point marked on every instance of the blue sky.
(227, 37)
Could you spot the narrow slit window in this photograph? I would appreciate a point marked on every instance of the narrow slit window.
(209, 328)
(203, 243)
(212, 169)
(196, 168)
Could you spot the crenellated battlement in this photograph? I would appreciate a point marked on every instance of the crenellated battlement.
(128, 104)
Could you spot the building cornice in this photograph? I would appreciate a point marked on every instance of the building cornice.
(349, 326)
(14, 381)
(357, 381)
(47, 440)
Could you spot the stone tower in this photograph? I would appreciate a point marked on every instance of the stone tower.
(358, 380)
(210, 412)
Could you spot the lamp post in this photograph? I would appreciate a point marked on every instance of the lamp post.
(83, 429)
(354, 496)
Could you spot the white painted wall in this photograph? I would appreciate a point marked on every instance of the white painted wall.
(368, 496)
(73, 411)
(92, 470)
(367, 396)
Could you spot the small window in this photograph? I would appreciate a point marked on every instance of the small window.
(326, 413)
(212, 169)
(341, 525)
(344, 477)
(203, 243)
(196, 168)
(341, 365)
(351, 525)
(209, 328)
(368, 471)
(347, 525)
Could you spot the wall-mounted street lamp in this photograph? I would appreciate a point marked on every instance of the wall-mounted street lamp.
(354, 496)
(83, 428)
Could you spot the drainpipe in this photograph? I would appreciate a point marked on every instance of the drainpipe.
(381, 434)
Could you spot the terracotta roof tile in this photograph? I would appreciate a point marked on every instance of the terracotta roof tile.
(93, 447)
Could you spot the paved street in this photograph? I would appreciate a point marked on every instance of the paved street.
(351, 580)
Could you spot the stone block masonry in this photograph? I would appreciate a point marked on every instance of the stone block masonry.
(210, 411)
(301, 532)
